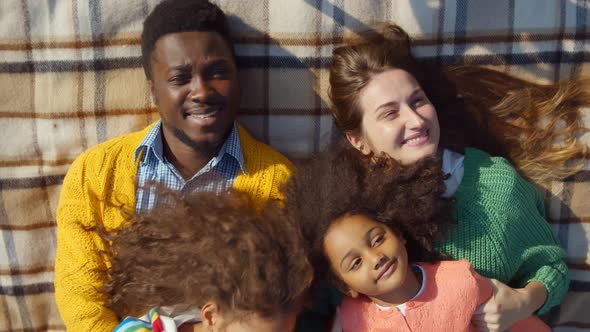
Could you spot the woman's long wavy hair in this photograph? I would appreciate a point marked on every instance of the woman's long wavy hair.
(535, 126)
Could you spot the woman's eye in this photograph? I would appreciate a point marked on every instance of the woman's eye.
(389, 114)
(420, 102)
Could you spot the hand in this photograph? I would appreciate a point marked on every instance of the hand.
(508, 305)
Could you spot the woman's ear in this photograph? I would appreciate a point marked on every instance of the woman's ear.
(211, 315)
(358, 142)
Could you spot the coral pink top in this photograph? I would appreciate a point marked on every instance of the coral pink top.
(451, 293)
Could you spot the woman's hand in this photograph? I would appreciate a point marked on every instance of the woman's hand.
(508, 305)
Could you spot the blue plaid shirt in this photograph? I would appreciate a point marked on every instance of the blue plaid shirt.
(217, 175)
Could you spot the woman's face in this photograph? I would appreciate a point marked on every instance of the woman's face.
(398, 119)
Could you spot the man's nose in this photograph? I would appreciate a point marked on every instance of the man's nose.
(200, 90)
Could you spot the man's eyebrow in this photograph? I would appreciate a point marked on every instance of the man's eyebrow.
(185, 67)
(216, 62)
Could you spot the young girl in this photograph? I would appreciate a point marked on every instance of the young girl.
(375, 232)
(387, 102)
(203, 262)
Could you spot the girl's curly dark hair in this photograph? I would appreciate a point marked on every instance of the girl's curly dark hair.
(343, 182)
(202, 247)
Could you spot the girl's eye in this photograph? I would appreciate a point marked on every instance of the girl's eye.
(378, 240)
(355, 264)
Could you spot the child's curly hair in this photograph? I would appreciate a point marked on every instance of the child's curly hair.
(343, 182)
(203, 247)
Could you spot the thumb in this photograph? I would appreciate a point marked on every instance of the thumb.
(490, 303)
(495, 283)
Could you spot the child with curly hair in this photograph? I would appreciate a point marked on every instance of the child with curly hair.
(371, 227)
(206, 262)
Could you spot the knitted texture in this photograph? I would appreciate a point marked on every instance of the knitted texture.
(502, 230)
(452, 292)
(101, 181)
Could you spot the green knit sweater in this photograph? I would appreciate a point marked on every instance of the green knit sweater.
(501, 230)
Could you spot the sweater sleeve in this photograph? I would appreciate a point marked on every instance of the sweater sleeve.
(542, 257)
(79, 270)
(284, 170)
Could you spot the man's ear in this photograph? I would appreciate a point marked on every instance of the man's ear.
(152, 90)
(359, 143)
(211, 314)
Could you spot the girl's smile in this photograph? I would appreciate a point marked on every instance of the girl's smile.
(387, 270)
(370, 259)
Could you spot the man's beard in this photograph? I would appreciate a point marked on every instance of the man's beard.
(204, 148)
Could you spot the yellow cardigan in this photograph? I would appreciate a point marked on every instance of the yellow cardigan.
(101, 181)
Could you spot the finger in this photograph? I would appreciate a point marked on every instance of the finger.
(494, 283)
(494, 328)
(482, 328)
(479, 310)
(492, 319)
(489, 307)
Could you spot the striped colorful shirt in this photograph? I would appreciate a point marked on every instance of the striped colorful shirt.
(164, 319)
(217, 175)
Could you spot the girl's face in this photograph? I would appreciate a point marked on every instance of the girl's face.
(397, 119)
(366, 255)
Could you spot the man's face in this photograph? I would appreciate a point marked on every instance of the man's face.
(194, 84)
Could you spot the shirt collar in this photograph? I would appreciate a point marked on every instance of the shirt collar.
(452, 167)
(152, 144)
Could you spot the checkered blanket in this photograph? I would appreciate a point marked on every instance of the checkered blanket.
(70, 77)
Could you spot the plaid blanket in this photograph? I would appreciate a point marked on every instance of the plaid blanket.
(70, 77)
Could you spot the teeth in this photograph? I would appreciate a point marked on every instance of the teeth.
(204, 116)
(416, 139)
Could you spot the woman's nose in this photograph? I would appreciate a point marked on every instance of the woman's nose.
(413, 119)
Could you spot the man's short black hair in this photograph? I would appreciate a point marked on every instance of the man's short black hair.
(172, 16)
